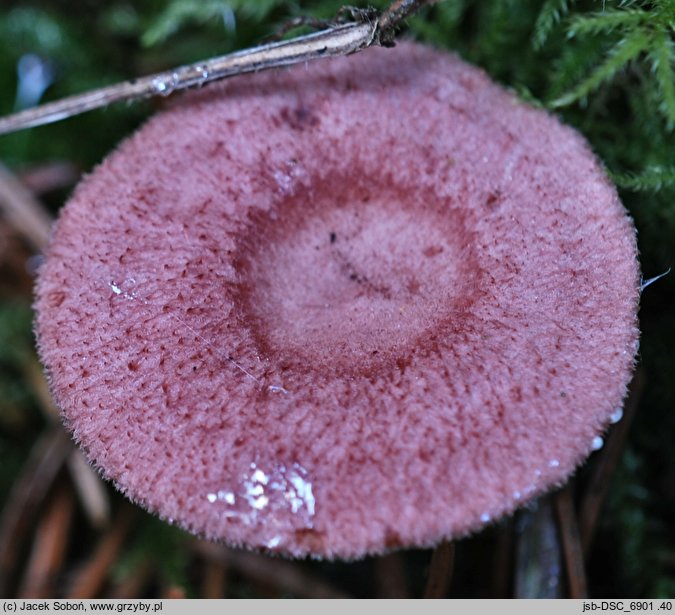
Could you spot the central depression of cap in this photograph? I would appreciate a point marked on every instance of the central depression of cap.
(369, 303)
(353, 278)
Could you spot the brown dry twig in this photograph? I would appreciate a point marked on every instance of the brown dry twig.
(393, 16)
(338, 40)
(571, 543)
(25, 500)
(43, 178)
(608, 460)
(133, 582)
(49, 546)
(23, 211)
(538, 556)
(93, 575)
(90, 489)
(440, 571)
(214, 579)
(390, 576)
(280, 574)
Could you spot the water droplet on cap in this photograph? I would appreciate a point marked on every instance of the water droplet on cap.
(616, 416)
(259, 477)
(226, 496)
(597, 443)
(273, 388)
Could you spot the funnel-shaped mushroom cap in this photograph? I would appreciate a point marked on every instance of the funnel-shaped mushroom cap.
(361, 304)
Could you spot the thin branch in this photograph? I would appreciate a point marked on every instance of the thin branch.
(502, 561)
(90, 489)
(272, 572)
(50, 547)
(393, 15)
(338, 40)
(608, 460)
(571, 543)
(538, 559)
(47, 177)
(26, 498)
(214, 580)
(390, 576)
(92, 577)
(23, 211)
(440, 571)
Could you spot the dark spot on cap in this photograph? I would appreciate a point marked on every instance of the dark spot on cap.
(300, 118)
(493, 200)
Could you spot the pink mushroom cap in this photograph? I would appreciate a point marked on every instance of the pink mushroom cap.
(361, 304)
